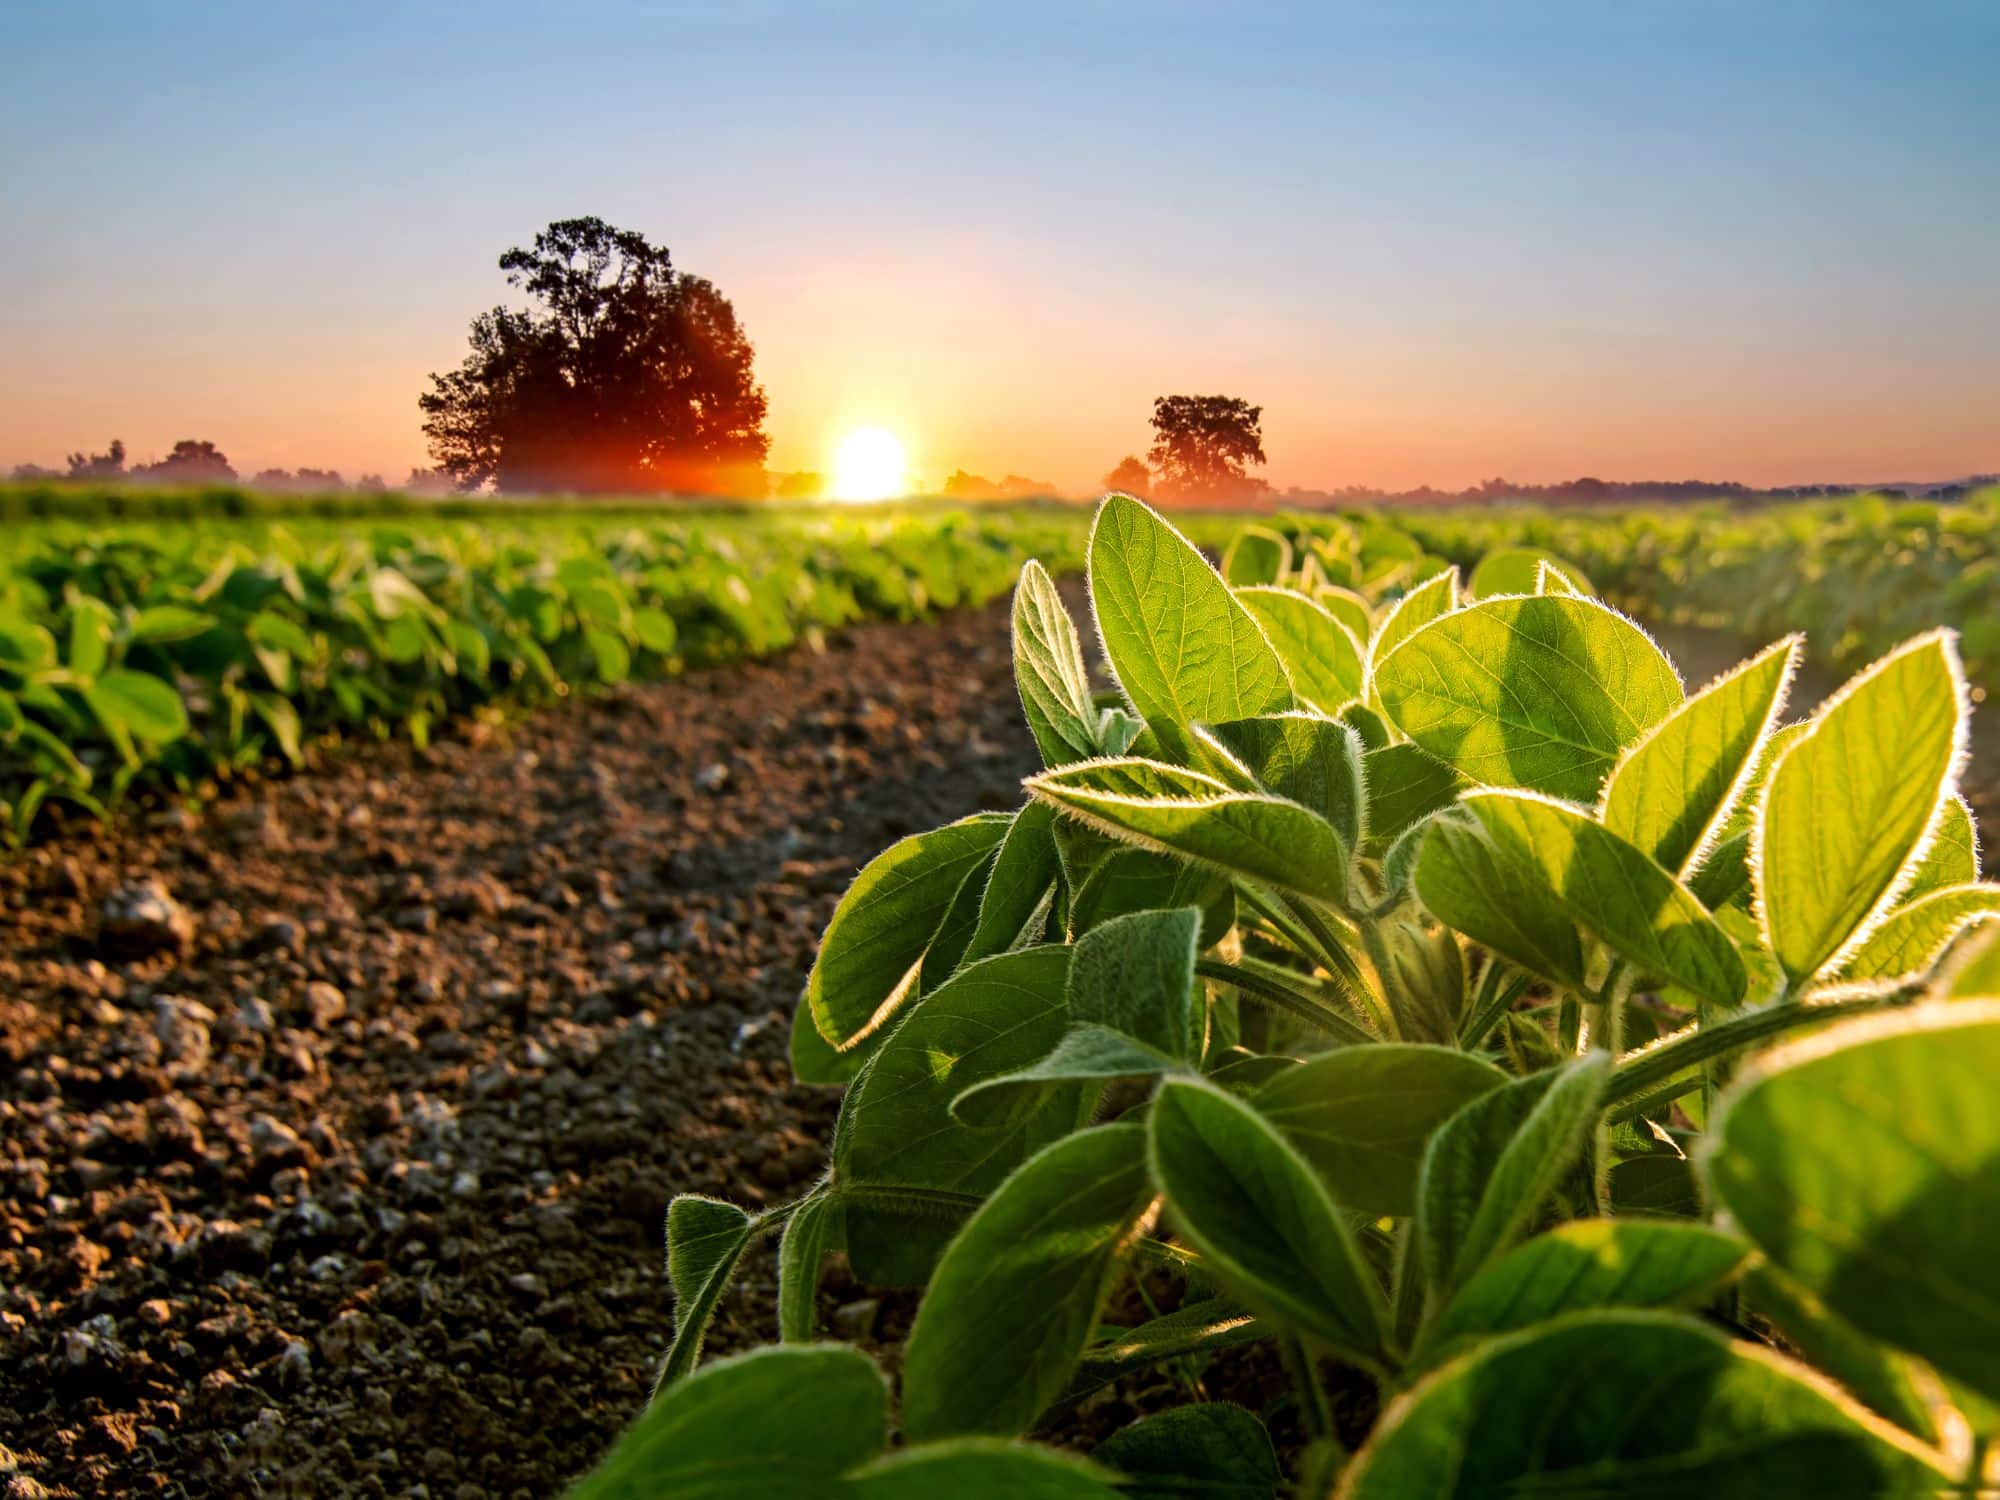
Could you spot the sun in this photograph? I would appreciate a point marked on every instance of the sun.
(870, 465)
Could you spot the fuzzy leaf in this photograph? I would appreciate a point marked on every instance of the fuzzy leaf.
(1049, 672)
(1210, 1449)
(1591, 1263)
(1016, 900)
(1265, 1227)
(1405, 785)
(1912, 937)
(1255, 555)
(885, 921)
(705, 1237)
(1850, 799)
(1135, 974)
(1489, 1167)
(1135, 880)
(1320, 654)
(1541, 692)
(1518, 570)
(1866, 1163)
(1675, 789)
(1555, 852)
(1630, 1404)
(1087, 1053)
(1304, 758)
(976, 1468)
(1015, 1297)
(1361, 1115)
(1263, 839)
(1953, 857)
(1466, 882)
(777, 1424)
(1409, 614)
(1184, 649)
(800, 1254)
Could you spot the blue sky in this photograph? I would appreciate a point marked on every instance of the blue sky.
(1437, 242)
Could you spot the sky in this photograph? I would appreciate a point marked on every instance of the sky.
(1436, 242)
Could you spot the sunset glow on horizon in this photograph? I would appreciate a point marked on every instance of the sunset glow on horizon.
(1436, 245)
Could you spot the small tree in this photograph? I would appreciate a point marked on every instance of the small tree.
(1131, 477)
(193, 461)
(1202, 445)
(107, 465)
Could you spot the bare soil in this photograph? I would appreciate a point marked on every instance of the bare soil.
(338, 1123)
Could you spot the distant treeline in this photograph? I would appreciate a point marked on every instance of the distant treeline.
(1575, 493)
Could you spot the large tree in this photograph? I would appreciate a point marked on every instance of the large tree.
(192, 461)
(623, 375)
(1201, 445)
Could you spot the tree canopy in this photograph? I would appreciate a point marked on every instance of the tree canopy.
(1201, 446)
(622, 375)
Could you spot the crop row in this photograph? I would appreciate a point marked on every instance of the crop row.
(149, 655)
(1859, 575)
(1412, 977)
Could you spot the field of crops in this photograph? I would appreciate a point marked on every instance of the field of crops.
(1399, 1037)
(163, 652)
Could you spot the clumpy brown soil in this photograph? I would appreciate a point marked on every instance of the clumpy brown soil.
(361, 1189)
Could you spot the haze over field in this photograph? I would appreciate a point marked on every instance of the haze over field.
(1734, 242)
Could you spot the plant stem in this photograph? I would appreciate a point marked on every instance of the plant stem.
(1569, 1023)
(1494, 999)
(1265, 984)
(1314, 1410)
(1640, 1077)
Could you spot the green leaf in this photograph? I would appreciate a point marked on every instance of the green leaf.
(1953, 855)
(1866, 1163)
(980, 1469)
(609, 655)
(90, 627)
(1409, 614)
(1555, 852)
(992, 1017)
(1466, 882)
(1974, 973)
(1015, 1298)
(800, 1254)
(1630, 1404)
(1256, 555)
(1675, 789)
(1200, 1327)
(1347, 607)
(1087, 1053)
(1135, 974)
(705, 1238)
(1541, 692)
(778, 1424)
(1912, 938)
(139, 705)
(1517, 570)
(1184, 649)
(1882, 751)
(1304, 758)
(160, 624)
(1882, 1379)
(868, 956)
(1015, 904)
(948, 945)
(1049, 672)
(1361, 1115)
(1405, 785)
(1489, 1167)
(1209, 1449)
(1265, 1227)
(655, 630)
(1322, 658)
(1133, 880)
(1245, 835)
(1592, 1263)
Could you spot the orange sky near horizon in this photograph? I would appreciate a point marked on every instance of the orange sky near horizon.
(1437, 245)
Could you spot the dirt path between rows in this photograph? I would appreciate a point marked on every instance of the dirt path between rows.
(360, 1190)
(354, 1184)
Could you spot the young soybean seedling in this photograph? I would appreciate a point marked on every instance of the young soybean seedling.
(1364, 992)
